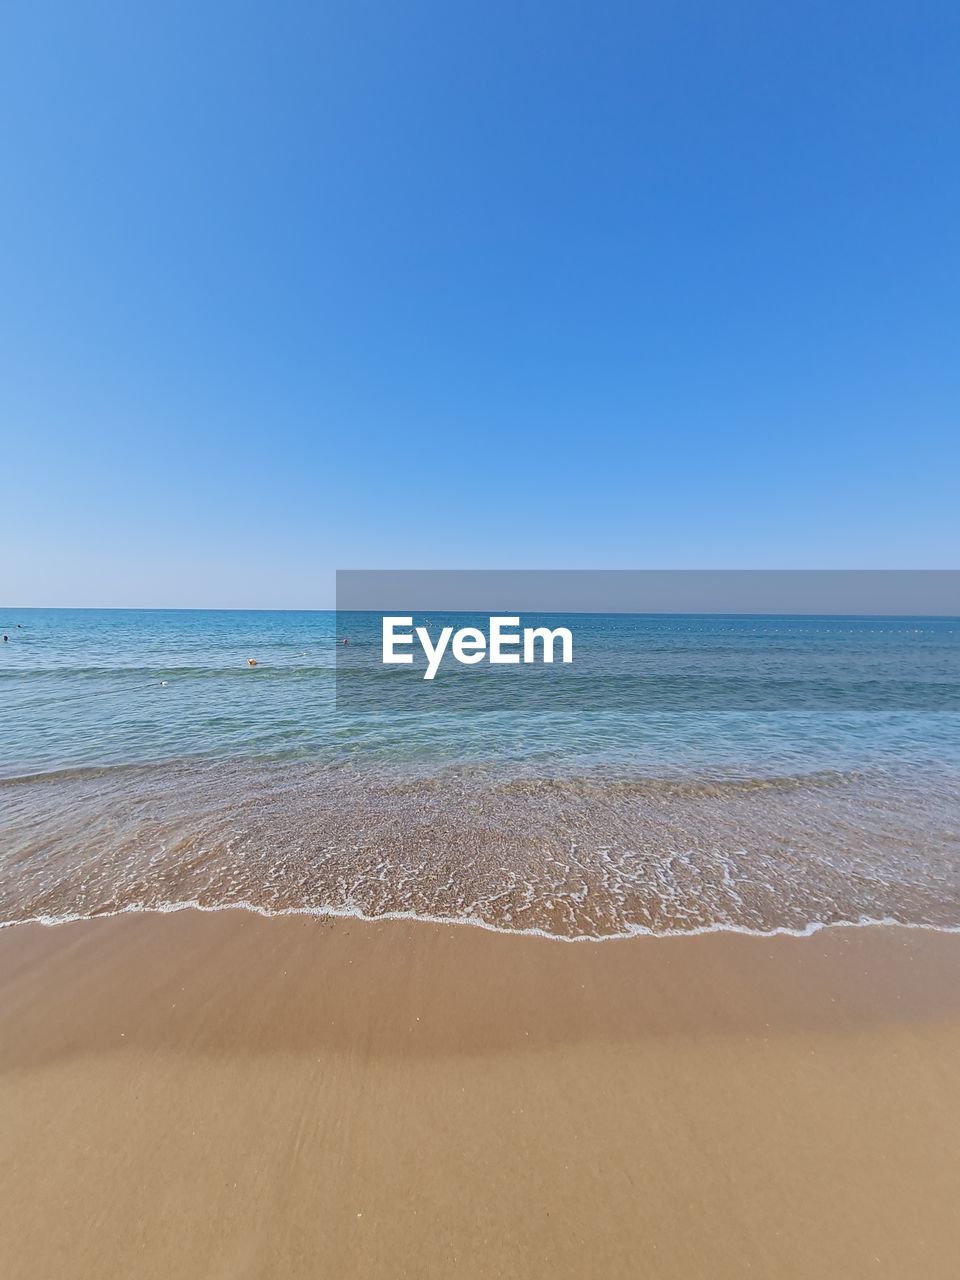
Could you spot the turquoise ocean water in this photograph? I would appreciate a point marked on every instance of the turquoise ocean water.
(755, 773)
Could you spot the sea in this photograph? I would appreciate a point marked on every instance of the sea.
(759, 774)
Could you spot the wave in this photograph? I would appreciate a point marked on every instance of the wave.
(598, 784)
(148, 671)
(505, 778)
(592, 854)
(638, 931)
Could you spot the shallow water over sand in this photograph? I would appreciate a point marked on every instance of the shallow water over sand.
(577, 856)
(144, 764)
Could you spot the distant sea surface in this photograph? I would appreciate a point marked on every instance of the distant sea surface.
(145, 765)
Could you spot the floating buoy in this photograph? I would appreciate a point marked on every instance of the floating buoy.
(251, 662)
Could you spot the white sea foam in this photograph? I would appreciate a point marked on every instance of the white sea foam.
(585, 859)
(634, 931)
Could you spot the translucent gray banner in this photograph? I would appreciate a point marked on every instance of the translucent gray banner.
(477, 642)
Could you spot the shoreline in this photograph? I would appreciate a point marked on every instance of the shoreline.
(206, 1092)
(532, 857)
(398, 917)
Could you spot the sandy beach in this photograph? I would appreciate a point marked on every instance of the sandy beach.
(225, 1094)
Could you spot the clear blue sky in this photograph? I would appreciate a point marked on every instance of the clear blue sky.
(286, 287)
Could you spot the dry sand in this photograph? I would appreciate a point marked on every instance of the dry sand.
(225, 1095)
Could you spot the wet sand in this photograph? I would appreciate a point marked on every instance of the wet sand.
(228, 1095)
